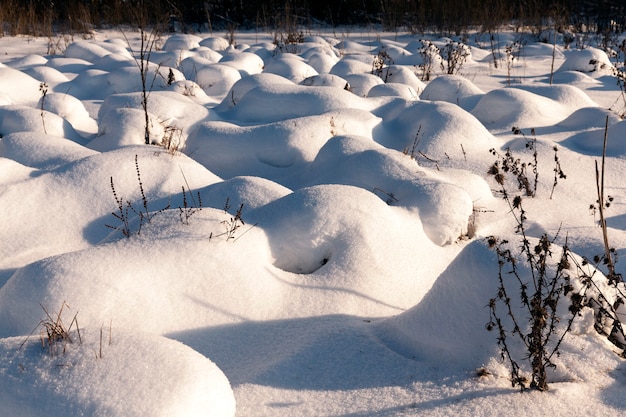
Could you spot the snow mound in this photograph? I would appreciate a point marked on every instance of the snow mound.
(403, 75)
(27, 61)
(251, 192)
(42, 151)
(454, 89)
(344, 255)
(91, 84)
(46, 75)
(245, 84)
(282, 101)
(18, 86)
(569, 96)
(362, 84)
(79, 198)
(111, 382)
(588, 60)
(69, 65)
(444, 208)
(15, 119)
(434, 333)
(320, 61)
(439, 130)
(217, 79)
(508, 107)
(431, 331)
(92, 51)
(71, 109)
(125, 118)
(121, 127)
(181, 41)
(128, 79)
(201, 290)
(215, 43)
(326, 80)
(591, 142)
(573, 78)
(589, 117)
(190, 65)
(350, 66)
(289, 66)
(275, 150)
(246, 63)
(393, 90)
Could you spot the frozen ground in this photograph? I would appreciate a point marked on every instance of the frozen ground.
(313, 240)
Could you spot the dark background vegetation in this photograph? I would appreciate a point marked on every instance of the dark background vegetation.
(446, 16)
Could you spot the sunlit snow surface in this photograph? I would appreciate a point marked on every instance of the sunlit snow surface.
(313, 243)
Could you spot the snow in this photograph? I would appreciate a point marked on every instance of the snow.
(311, 242)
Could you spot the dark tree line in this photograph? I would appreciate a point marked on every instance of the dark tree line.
(451, 16)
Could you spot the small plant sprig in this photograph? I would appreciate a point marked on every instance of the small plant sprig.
(454, 54)
(43, 88)
(172, 140)
(558, 171)
(413, 150)
(188, 210)
(125, 207)
(53, 333)
(288, 41)
(429, 51)
(123, 211)
(513, 52)
(381, 65)
(509, 164)
(234, 223)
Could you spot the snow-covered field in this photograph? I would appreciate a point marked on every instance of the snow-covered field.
(312, 242)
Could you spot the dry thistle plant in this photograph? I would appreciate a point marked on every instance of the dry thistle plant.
(534, 321)
(509, 164)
